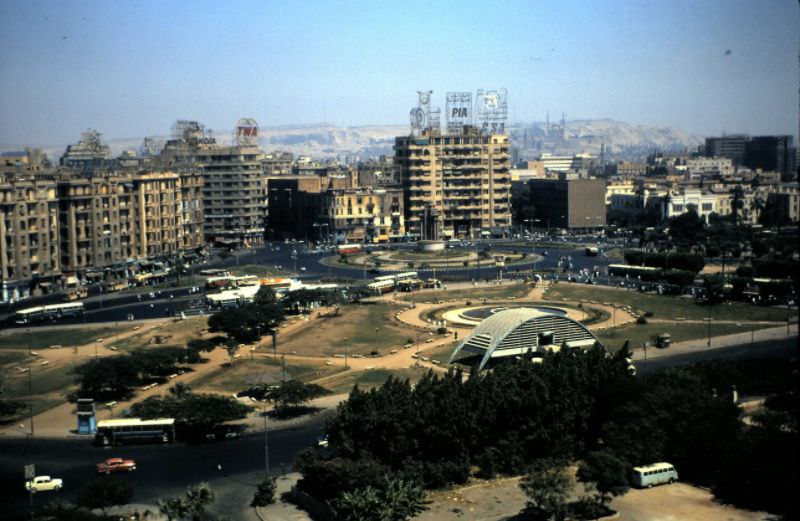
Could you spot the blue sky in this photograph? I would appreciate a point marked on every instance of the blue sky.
(131, 69)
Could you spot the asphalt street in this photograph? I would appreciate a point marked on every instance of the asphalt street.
(162, 470)
(116, 307)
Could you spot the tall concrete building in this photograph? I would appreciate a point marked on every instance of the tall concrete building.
(109, 219)
(461, 180)
(732, 147)
(28, 232)
(772, 153)
(234, 191)
(569, 202)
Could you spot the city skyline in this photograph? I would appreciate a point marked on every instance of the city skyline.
(132, 69)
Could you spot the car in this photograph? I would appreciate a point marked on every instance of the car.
(116, 465)
(322, 441)
(43, 484)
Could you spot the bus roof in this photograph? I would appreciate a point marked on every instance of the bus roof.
(653, 466)
(632, 267)
(134, 422)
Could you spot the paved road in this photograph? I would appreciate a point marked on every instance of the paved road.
(163, 470)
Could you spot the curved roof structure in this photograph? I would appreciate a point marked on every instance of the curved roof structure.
(519, 331)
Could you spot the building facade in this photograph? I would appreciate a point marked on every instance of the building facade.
(569, 203)
(462, 180)
(365, 214)
(28, 233)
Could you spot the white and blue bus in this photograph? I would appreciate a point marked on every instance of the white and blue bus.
(134, 430)
(655, 474)
(49, 312)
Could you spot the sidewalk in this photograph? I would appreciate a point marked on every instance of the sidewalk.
(717, 342)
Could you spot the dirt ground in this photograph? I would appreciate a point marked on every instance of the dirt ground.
(503, 499)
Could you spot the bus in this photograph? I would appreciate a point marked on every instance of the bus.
(381, 286)
(134, 430)
(655, 474)
(621, 270)
(348, 249)
(49, 312)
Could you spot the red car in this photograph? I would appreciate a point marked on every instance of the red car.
(116, 465)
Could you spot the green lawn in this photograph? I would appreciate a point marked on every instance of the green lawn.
(371, 378)
(43, 379)
(477, 293)
(613, 338)
(441, 353)
(375, 332)
(664, 307)
(247, 373)
(42, 338)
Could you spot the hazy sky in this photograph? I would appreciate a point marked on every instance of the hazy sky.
(130, 69)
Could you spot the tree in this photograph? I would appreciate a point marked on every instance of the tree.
(687, 228)
(195, 414)
(607, 472)
(293, 393)
(249, 322)
(396, 500)
(104, 492)
(265, 493)
(192, 505)
(108, 378)
(547, 486)
(180, 390)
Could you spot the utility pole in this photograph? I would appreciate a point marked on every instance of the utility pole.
(30, 395)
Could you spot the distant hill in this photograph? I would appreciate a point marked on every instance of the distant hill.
(621, 139)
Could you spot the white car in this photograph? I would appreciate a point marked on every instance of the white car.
(43, 483)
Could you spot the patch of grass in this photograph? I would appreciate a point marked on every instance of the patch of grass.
(44, 380)
(176, 333)
(247, 373)
(441, 353)
(370, 379)
(12, 356)
(360, 329)
(664, 307)
(613, 338)
(475, 294)
(42, 338)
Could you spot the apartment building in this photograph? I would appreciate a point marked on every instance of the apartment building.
(234, 188)
(111, 218)
(28, 232)
(365, 214)
(461, 181)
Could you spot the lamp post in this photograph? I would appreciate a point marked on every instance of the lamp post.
(29, 466)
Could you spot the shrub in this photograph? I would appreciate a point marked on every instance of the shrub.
(641, 320)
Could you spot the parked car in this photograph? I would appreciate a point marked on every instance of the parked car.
(43, 483)
(116, 465)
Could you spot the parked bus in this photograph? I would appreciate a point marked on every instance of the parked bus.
(655, 474)
(134, 430)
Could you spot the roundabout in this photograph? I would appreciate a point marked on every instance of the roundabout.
(472, 316)
(428, 259)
